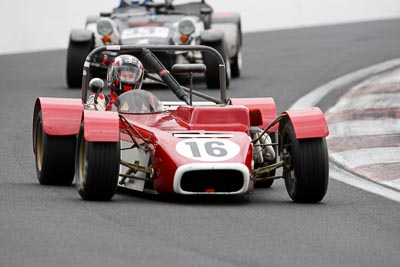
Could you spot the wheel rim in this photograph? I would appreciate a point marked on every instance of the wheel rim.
(39, 146)
(288, 171)
(288, 167)
(82, 163)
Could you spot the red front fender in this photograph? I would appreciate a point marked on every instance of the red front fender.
(60, 116)
(308, 123)
(101, 126)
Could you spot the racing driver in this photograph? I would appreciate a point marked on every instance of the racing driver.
(124, 73)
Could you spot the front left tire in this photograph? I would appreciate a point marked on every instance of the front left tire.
(306, 168)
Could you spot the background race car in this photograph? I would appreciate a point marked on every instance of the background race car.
(160, 23)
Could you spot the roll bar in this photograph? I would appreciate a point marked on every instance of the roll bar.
(134, 48)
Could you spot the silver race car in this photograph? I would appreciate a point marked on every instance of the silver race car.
(160, 23)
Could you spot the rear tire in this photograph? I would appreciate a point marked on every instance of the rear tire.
(97, 168)
(76, 55)
(212, 73)
(54, 156)
(306, 168)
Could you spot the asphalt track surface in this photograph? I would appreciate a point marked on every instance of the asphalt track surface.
(52, 226)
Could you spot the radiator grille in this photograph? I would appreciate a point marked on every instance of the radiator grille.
(212, 181)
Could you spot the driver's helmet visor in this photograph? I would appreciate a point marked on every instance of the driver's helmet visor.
(128, 74)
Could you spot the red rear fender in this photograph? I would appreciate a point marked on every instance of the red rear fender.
(308, 123)
(61, 116)
(265, 104)
(101, 126)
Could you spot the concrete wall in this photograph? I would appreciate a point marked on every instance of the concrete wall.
(45, 24)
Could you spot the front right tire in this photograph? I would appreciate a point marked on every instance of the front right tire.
(54, 155)
(96, 168)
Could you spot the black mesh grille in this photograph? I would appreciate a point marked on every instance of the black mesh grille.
(212, 181)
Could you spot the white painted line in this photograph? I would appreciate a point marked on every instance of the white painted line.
(314, 97)
(393, 183)
(365, 156)
(390, 78)
(311, 99)
(367, 101)
(364, 184)
(363, 128)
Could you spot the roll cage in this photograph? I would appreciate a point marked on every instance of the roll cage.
(146, 55)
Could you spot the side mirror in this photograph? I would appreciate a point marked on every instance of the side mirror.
(205, 11)
(96, 85)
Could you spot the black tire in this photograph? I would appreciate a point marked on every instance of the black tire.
(97, 168)
(236, 64)
(54, 156)
(306, 170)
(212, 73)
(268, 183)
(76, 55)
(237, 60)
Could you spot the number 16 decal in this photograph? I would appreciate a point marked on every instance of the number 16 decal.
(207, 149)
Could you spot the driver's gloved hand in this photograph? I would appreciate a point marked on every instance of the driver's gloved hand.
(101, 103)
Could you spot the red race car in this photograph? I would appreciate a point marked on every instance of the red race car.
(216, 145)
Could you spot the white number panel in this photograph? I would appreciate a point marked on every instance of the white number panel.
(145, 32)
(205, 149)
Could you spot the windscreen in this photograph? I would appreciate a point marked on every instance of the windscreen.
(137, 102)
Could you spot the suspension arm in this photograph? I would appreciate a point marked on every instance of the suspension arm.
(262, 170)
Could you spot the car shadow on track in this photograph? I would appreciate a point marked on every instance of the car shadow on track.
(189, 199)
(261, 196)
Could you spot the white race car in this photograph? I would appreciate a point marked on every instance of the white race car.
(160, 23)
